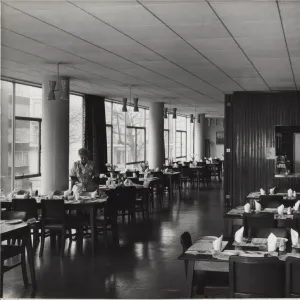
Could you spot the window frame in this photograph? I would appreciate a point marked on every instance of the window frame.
(181, 133)
(167, 152)
(39, 174)
(135, 144)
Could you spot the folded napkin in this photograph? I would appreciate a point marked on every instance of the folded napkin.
(290, 193)
(296, 206)
(247, 208)
(94, 194)
(294, 237)
(272, 242)
(272, 191)
(257, 206)
(294, 194)
(280, 210)
(134, 175)
(217, 244)
(146, 183)
(238, 237)
(200, 160)
(102, 175)
(167, 163)
(157, 170)
(67, 193)
(262, 192)
(108, 182)
(128, 182)
(175, 165)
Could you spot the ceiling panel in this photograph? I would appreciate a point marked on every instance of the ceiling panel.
(190, 53)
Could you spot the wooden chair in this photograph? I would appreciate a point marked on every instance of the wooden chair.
(185, 175)
(57, 222)
(292, 275)
(261, 277)
(107, 220)
(254, 222)
(10, 251)
(186, 243)
(271, 201)
(30, 207)
(126, 199)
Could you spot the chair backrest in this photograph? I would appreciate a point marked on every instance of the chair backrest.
(13, 215)
(58, 193)
(111, 205)
(201, 164)
(271, 201)
(292, 275)
(22, 192)
(262, 277)
(126, 197)
(185, 171)
(265, 232)
(27, 205)
(53, 210)
(186, 241)
(252, 222)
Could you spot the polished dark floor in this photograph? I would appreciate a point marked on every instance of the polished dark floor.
(144, 265)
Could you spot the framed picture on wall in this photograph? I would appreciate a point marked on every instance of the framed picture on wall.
(220, 137)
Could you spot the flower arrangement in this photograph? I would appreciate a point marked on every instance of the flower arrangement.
(111, 168)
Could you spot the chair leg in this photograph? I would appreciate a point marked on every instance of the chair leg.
(24, 271)
(42, 242)
(1, 280)
(35, 236)
(63, 242)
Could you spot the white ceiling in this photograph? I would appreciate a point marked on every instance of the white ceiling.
(187, 53)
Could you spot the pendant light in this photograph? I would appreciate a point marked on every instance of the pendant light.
(124, 108)
(165, 112)
(135, 104)
(63, 88)
(174, 113)
(199, 119)
(192, 118)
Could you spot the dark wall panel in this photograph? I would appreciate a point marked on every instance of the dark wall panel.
(253, 119)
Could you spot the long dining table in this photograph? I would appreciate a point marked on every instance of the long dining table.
(89, 206)
(209, 260)
(235, 217)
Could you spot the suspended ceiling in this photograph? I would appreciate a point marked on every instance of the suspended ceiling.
(186, 53)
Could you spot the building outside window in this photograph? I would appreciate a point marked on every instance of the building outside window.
(126, 135)
(24, 163)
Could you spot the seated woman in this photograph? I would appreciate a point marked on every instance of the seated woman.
(84, 173)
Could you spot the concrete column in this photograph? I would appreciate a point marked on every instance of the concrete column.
(55, 140)
(199, 137)
(156, 151)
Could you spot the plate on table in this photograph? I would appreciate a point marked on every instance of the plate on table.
(85, 197)
(13, 222)
(208, 238)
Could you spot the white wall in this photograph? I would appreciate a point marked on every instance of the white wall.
(210, 134)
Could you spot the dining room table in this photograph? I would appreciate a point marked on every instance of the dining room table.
(202, 257)
(20, 230)
(83, 204)
(234, 217)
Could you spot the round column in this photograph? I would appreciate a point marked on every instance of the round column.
(199, 137)
(156, 149)
(55, 139)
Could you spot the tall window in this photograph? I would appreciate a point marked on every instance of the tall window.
(126, 135)
(27, 143)
(21, 119)
(76, 127)
(6, 131)
(181, 137)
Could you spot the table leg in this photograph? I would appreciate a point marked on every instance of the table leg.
(147, 203)
(190, 277)
(228, 223)
(93, 228)
(30, 257)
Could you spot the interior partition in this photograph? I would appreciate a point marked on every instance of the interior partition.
(250, 142)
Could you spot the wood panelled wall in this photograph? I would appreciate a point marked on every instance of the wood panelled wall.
(250, 120)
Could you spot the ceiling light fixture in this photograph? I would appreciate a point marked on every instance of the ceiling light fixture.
(174, 113)
(192, 118)
(63, 87)
(124, 108)
(135, 104)
(165, 112)
(199, 118)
